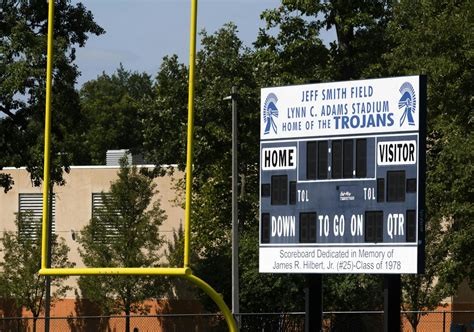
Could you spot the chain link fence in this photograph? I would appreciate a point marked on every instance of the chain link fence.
(357, 321)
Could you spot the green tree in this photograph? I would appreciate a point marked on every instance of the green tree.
(290, 50)
(222, 63)
(290, 287)
(23, 41)
(375, 38)
(179, 290)
(164, 117)
(435, 38)
(20, 265)
(124, 233)
(174, 254)
(110, 107)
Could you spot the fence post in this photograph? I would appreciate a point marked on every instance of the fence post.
(314, 303)
(444, 320)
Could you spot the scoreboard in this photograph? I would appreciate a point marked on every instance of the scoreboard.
(342, 177)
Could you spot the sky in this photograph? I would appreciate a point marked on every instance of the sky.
(139, 33)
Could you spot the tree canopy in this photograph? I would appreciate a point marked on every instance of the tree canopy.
(374, 39)
(23, 41)
(110, 108)
(435, 38)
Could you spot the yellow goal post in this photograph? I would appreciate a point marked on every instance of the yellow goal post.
(185, 271)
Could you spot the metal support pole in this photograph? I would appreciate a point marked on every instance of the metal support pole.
(47, 300)
(392, 298)
(235, 211)
(314, 303)
(444, 320)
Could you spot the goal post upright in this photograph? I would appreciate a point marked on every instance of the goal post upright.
(47, 135)
(183, 272)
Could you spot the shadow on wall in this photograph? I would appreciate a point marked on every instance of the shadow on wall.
(84, 307)
(9, 309)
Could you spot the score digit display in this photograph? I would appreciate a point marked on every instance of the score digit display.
(342, 180)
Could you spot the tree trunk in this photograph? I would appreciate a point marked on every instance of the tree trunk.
(414, 321)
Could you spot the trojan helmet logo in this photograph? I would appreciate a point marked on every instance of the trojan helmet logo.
(407, 103)
(270, 112)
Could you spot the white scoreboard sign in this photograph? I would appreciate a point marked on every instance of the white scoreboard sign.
(342, 177)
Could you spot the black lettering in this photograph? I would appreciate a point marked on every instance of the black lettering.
(282, 158)
(267, 158)
(290, 158)
(390, 153)
(382, 150)
(274, 157)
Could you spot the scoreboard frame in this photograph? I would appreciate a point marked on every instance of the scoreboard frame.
(342, 177)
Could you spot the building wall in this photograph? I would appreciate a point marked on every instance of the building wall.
(74, 203)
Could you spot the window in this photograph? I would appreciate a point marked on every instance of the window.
(31, 211)
(308, 227)
(348, 158)
(374, 226)
(361, 158)
(279, 190)
(411, 226)
(99, 213)
(311, 160)
(395, 186)
(336, 163)
(322, 159)
(265, 230)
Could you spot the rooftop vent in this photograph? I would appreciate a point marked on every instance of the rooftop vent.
(113, 157)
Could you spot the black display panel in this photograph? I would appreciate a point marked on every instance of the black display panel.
(380, 190)
(347, 158)
(374, 226)
(411, 185)
(311, 160)
(279, 190)
(322, 160)
(292, 192)
(411, 225)
(265, 229)
(395, 186)
(336, 165)
(361, 158)
(308, 227)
